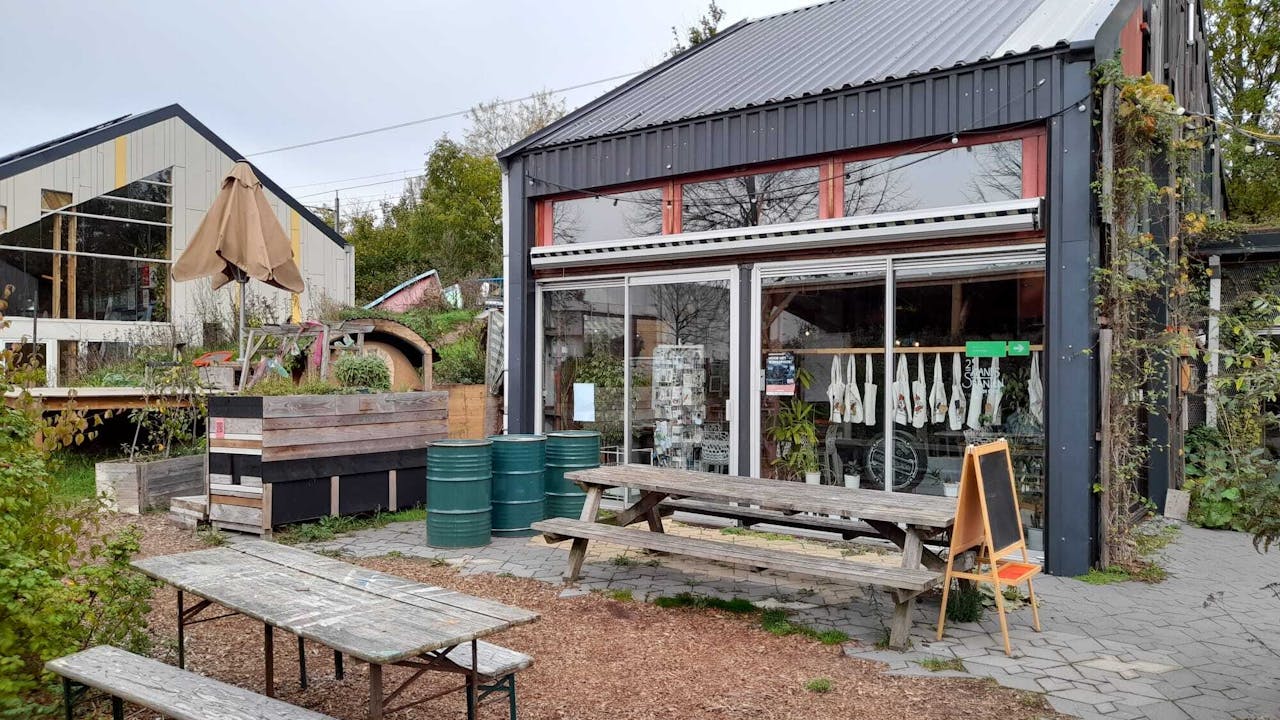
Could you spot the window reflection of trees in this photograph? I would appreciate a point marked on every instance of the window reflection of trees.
(999, 172)
(692, 313)
(763, 199)
(610, 217)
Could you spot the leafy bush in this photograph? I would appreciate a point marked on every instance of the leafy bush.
(964, 603)
(362, 371)
(63, 584)
(461, 362)
(274, 385)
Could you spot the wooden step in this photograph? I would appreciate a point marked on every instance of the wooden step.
(191, 503)
(838, 569)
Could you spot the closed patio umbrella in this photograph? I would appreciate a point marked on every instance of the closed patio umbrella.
(240, 238)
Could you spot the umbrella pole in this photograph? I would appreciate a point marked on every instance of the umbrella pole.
(242, 280)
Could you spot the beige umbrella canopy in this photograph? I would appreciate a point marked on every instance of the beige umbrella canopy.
(240, 238)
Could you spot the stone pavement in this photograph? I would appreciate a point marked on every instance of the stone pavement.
(1205, 643)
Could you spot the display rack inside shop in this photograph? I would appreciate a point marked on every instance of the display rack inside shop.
(679, 394)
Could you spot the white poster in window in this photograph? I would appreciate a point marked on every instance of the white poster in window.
(584, 402)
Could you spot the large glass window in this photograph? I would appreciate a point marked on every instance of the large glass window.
(615, 216)
(938, 178)
(761, 199)
(669, 404)
(966, 367)
(680, 374)
(75, 280)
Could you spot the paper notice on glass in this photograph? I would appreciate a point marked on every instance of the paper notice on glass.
(584, 402)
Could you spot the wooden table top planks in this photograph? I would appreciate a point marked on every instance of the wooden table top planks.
(372, 616)
(927, 511)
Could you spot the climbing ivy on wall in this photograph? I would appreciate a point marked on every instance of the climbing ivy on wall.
(1149, 170)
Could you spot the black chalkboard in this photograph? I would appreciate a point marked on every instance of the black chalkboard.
(1002, 506)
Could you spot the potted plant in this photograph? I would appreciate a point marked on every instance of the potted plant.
(795, 429)
(852, 475)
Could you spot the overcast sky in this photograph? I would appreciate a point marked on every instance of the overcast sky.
(264, 74)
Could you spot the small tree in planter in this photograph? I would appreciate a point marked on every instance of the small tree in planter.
(795, 430)
(165, 459)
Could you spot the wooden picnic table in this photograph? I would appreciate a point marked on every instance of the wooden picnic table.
(904, 519)
(374, 617)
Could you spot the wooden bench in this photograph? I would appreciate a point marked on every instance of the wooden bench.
(497, 667)
(748, 516)
(910, 581)
(175, 693)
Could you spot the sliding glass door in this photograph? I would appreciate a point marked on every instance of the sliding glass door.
(849, 394)
(647, 361)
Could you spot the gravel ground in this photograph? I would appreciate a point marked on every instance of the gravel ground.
(596, 658)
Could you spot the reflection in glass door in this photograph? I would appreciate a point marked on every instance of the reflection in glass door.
(583, 371)
(680, 373)
(645, 361)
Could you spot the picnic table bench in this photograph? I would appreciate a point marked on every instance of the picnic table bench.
(902, 518)
(165, 689)
(374, 617)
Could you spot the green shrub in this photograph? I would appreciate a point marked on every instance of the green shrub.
(275, 385)
(818, 685)
(964, 603)
(461, 362)
(63, 584)
(362, 371)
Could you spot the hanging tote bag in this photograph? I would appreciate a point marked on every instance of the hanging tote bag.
(995, 393)
(937, 394)
(835, 391)
(919, 395)
(974, 420)
(869, 395)
(902, 393)
(852, 398)
(1035, 391)
(958, 406)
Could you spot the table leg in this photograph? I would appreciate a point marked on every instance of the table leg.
(68, 699)
(655, 520)
(302, 663)
(591, 506)
(337, 665)
(182, 652)
(375, 691)
(904, 604)
(578, 551)
(269, 660)
(473, 681)
(117, 708)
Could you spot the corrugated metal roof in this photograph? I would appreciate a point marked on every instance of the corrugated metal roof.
(827, 47)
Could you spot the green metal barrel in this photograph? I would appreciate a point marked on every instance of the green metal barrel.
(568, 451)
(519, 464)
(459, 485)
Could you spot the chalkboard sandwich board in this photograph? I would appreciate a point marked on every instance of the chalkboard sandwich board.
(988, 521)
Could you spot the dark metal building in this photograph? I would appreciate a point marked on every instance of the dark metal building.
(855, 190)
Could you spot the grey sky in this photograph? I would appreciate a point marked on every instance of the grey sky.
(269, 73)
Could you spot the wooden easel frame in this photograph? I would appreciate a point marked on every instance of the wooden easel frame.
(972, 529)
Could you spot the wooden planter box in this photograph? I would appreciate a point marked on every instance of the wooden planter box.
(135, 487)
(472, 411)
(286, 459)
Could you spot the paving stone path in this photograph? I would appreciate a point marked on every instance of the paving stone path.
(1205, 643)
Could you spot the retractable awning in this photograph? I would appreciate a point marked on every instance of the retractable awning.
(957, 221)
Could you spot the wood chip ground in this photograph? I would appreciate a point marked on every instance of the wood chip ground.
(597, 658)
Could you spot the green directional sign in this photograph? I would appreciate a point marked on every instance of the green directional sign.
(1019, 348)
(985, 349)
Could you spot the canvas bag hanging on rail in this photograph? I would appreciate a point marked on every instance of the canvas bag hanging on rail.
(919, 395)
(852, 398)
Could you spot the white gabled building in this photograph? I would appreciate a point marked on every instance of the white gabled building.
(91, 222)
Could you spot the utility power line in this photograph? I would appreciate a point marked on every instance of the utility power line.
(434, 118)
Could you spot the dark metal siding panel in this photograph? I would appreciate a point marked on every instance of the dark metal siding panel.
(958, 100)
(520, 305)
(1071, 390)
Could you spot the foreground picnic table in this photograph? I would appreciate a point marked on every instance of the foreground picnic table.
(902, 518)
(374, 617)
